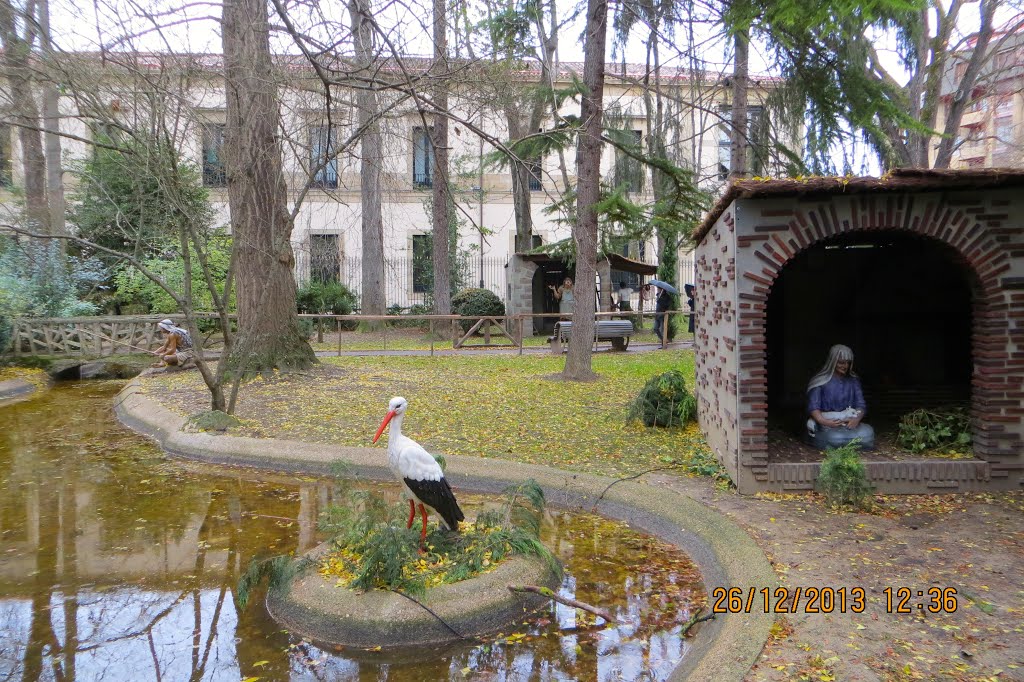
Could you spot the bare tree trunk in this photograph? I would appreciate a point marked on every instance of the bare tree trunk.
(588, 193)
(51, 124)
(520, 173)
(16, 54)
(966, 87)
(740, 80)
(440, 218)
(268, 333)
(521, 170)
(370, 168)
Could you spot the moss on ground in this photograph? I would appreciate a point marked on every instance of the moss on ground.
(36, 377)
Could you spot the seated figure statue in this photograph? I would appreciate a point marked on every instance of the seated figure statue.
(835, 402)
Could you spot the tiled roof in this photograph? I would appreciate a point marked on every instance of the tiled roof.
(898, 180)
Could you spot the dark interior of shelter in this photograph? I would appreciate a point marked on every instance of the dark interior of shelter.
(901, 302)
(549, 273)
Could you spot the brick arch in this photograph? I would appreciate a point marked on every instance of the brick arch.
(776, 243)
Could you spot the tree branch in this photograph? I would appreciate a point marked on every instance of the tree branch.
(551, 594)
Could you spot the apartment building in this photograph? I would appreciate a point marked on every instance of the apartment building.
(327, 235)
(992, 127)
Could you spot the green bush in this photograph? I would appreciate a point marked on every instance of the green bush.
(664, 401)
(476, 303)
(325, 298)
(843, 478)
(417, 309)
(38, 280)
(133, 289)
(137, 197)
(306, 327)
(926, 429)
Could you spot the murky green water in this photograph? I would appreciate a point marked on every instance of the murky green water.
(117, 563)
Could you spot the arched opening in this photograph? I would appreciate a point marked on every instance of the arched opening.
(902, 302)
(549, 273)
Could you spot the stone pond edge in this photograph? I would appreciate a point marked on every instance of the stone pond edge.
(724, 649)
(14, 390)
(314, 608)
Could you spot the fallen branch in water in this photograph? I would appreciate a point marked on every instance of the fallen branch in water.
(697, 618)
(550, 594)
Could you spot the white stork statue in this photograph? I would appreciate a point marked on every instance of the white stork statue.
(418, 471)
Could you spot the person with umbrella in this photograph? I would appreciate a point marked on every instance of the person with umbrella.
(662, 305)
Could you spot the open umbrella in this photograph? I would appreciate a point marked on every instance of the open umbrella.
(664, 285)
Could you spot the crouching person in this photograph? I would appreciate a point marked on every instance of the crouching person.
(177, 347)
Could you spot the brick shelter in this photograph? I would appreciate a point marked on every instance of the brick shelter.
(528, 276)
(920, 272)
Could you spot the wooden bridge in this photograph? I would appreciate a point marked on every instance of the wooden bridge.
(85, 336)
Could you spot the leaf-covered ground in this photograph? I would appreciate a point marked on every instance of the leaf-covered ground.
(510, 407)
(973, 543)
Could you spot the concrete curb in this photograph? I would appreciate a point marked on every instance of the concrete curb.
(724, 649)
(13, 390)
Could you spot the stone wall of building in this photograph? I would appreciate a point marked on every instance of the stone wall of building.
(519, 286)
(716, 355)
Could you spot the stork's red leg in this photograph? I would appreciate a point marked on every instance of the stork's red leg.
(423, 534)
(412, 513)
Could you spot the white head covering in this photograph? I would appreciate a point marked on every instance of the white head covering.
(168, 326)
(835, 354)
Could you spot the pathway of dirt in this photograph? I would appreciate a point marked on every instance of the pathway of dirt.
(973, 543)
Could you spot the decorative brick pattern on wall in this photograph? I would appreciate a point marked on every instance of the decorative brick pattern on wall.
(740, 258)
(715, 352)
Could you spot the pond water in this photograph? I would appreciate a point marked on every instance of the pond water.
(117, 563)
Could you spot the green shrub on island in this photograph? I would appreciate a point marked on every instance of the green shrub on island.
(843, 479)
(664, 401)
(373, 549)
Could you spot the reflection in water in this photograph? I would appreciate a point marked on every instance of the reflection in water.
(118, 564)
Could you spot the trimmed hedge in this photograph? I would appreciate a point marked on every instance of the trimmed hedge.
(476, 303)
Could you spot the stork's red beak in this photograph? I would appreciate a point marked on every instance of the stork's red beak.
(383, 425)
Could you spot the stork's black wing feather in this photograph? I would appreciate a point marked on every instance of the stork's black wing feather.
(438, 496)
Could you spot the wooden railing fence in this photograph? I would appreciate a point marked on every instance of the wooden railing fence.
(85, 336)
(103, 336)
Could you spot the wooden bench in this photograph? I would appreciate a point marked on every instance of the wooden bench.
(616, 331)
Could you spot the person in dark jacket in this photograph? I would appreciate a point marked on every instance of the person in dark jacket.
(661, 307)
(690, 289)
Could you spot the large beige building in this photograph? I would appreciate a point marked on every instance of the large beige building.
(327, 235)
